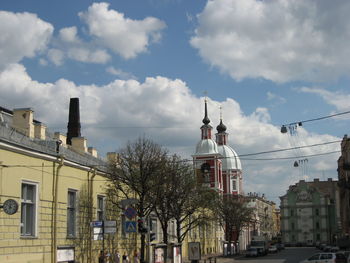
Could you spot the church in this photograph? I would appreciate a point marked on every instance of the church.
(218, 166)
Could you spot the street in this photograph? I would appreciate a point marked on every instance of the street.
(288, 255)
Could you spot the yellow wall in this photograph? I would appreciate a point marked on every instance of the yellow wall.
(19, 167)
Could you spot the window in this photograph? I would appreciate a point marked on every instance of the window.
(326, 256)
(28, 209)
(234, 186)
(293, 226)
(318, 237)
(291, 212)
(100, 208)
(71, 213)
(314, 257)
(317, 212)
(317, 225)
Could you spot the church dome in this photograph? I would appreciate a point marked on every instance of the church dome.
(230, 159)
(206, 147)
(221, 127)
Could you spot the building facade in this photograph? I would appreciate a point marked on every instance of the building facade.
(265, 221)
(344, 186)
(310, 213)
(57, 189)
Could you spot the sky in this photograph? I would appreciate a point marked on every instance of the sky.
(144, 67)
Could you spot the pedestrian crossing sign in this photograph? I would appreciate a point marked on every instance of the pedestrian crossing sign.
(130, 226)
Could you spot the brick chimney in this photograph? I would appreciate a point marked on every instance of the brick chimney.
(23, 121)
(73, 121)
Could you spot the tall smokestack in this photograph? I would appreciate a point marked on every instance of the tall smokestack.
(74, 120)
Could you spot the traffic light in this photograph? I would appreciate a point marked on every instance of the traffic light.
(152, 236)
(141, 227)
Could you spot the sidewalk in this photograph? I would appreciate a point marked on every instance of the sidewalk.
(216, 258)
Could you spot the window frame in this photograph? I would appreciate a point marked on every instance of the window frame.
(25, 202)
(75, 213)
(98, 208)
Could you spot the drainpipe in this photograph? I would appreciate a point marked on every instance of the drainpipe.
(91, 204)
(60, 161)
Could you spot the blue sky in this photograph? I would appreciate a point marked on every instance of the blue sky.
(141, 67)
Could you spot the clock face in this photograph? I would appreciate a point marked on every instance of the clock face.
(10, 206)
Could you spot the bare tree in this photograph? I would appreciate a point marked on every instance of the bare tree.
(134, 174)
(233, 214)
(180, 197)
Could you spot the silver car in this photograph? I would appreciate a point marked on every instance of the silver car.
(251, 252)
(326, 258)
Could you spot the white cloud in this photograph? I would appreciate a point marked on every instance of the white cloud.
(122, 35)
(69, 45)
(56, 56)
(22, 35)
(69, 34)
(338, 99)
(276, 99)
(166, 111)
(120, 73)
(277, 40)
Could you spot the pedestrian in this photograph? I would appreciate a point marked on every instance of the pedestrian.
(116, 257)
(125, 258)
(136, 257)
(101, 257)
(107, 257)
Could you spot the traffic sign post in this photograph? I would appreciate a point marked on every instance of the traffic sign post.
(130, 227)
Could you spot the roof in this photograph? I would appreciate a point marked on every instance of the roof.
(230, 160)
(48, 146)
(206, 147)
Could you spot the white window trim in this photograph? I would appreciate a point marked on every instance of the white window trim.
(104, 206)
(76, 213)
(36, 208)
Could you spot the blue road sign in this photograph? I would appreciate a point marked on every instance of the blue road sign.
(130, 226)
(96, 223)
(130, 212)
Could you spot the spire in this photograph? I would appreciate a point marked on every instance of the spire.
(221, 127)
(206, 120)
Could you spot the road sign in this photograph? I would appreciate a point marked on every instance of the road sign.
(130, 226)
(97, 233)
(110, 227)
(96, 223)
(130, 212)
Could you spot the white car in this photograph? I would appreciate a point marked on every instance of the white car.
(273, 249)
(326, 258)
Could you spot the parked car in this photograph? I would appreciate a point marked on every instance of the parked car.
(334, 249)
(251, 252)
(347, 255)
(326, 258)
(273, 249)
(322, 246)
(327, 249)
(280, 246)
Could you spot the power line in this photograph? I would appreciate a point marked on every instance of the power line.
(289, 149)
(288, 158)
(299, 123)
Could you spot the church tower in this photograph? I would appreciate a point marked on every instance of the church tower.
(207, 159)
(231, 164)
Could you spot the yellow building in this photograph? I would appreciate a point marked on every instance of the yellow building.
(58, 190)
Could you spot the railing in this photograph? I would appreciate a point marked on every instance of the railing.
(48, 146)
